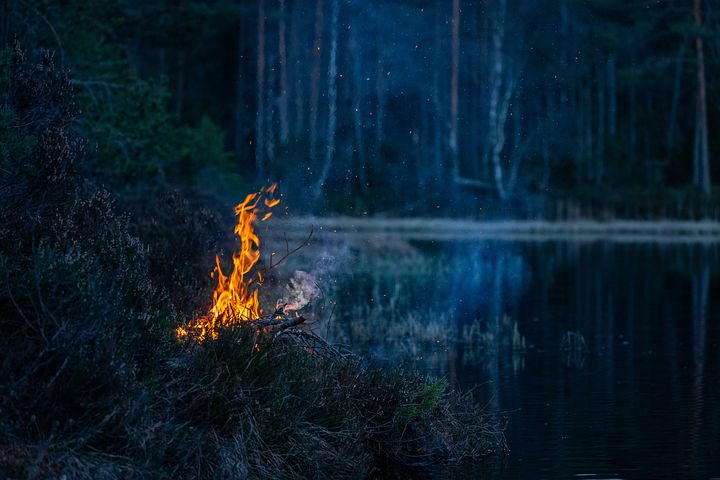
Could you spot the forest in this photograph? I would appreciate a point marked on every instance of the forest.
(484, 108)
(486, 216)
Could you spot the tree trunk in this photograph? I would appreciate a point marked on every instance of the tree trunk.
(612, 95)
(633, 120)
(647, 156)
(270, 115)
(453, 143)
(497, 111)
(589, 152)
(437, 114)
(260, 118)
(702, 151)
(517, 145)
(601, 121)
(357, 108)
(579, 112)
(380, 93)
(672, 130)
(283, 99)
(475, 94)
(315, 80)
(297, 67)
(482, 98)
(544, 147)
(332, 101)
(454, 79)
(239, 109)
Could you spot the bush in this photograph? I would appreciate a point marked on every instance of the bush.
(78, 308)
(94, 385)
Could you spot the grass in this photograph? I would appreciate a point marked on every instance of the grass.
(225, 409)
(93, 383)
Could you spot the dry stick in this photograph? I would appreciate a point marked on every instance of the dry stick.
(281, 323)
(294, 250)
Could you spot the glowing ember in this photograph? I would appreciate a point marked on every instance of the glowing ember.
(236, 296)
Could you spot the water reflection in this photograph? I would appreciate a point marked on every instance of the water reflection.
(636, 398)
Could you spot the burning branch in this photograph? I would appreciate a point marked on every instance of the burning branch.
(235, 299)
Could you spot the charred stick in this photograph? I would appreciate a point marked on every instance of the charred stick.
(281, 323)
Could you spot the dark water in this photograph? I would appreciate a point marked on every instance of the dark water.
(641, 401)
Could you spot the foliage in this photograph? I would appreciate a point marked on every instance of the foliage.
(93, 383)
(602, 98)
(133, 134)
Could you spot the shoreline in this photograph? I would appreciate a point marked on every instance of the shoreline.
(662, 231)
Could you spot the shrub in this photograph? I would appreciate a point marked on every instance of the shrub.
(93, 384)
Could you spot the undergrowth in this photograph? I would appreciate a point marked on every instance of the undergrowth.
(94, 385)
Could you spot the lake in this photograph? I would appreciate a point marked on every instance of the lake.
(602, 354)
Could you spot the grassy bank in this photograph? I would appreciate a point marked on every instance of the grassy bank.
(93, 383)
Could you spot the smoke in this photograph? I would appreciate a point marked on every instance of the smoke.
(301, 291)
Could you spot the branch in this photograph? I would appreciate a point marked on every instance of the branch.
(290, 252)
(281, 323)
(472, 182)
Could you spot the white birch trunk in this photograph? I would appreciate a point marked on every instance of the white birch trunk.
(332, 101)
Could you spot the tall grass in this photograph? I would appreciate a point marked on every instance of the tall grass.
(93, 384)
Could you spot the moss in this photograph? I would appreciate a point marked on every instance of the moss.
(428, 398)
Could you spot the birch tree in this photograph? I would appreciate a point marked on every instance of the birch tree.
(502, 84)
(332, 101)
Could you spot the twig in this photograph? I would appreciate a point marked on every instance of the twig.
(282, 323)
(57, 374)
(17, 307)
(294, 250)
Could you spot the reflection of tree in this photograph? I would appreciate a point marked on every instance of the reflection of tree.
(700, 293)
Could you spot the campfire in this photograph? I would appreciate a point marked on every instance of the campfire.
(235, 298)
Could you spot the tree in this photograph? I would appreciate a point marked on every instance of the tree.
(315, 80)
(502, 83)
(357, 95)
(701, 151)
(283, 99)
(453, 142)
(332, 101)
(260, 118)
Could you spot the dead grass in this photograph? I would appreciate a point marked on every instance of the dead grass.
(93, 383)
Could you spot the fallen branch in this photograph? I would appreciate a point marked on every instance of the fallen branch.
(280, 322)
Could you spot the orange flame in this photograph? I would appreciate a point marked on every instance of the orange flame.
(235, 300)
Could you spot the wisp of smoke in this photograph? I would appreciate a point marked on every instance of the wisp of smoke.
(301, 291)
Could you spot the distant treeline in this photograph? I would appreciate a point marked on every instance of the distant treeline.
(526, 107)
